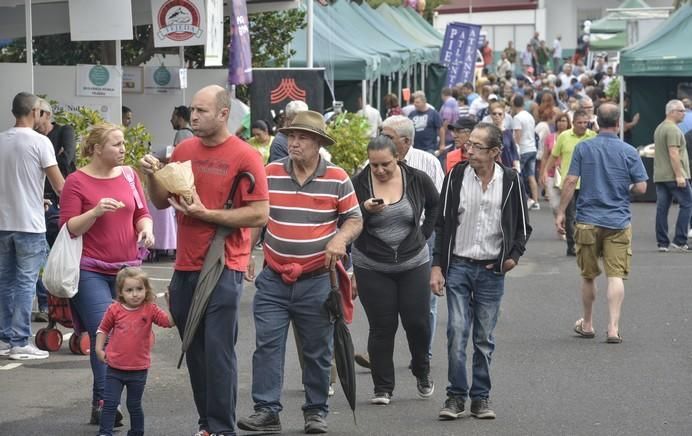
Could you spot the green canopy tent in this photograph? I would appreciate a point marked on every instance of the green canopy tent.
(654, 68)
(412, 28)
(610, 33)
(421, 22)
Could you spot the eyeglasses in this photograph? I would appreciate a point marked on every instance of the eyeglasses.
(477, 146)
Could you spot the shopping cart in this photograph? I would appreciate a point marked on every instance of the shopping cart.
(51, 339)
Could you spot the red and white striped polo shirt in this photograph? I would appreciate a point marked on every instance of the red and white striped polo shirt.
(302, 219)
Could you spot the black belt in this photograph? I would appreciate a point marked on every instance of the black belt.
(482, 262)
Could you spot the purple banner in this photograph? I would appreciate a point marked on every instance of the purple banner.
(239, 54)
(458, 52)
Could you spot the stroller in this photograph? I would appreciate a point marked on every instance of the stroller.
(59, 312)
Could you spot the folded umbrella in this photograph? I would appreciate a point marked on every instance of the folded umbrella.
(343, 344)
(214, 263)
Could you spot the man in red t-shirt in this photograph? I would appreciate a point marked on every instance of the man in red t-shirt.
(461, 130)
(217, 157)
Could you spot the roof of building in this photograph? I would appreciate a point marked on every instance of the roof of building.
(466, 6)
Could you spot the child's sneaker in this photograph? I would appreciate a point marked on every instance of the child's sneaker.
(5, 348)
(27, 352)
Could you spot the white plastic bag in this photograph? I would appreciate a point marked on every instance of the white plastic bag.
(61, 274)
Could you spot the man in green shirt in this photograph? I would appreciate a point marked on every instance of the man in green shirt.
(563, 149)
(671, 176)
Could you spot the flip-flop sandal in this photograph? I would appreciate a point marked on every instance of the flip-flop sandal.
(614, 339)
(579, 329)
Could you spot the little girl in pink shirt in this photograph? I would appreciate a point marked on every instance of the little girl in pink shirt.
(127, 325)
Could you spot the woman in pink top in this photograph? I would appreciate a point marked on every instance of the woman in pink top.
(103, 202)
(562, 123)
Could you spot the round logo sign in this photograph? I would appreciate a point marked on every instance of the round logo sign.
(162, 76)
(98, 75)
(179, 20)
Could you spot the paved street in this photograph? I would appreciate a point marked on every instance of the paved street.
(546, 380)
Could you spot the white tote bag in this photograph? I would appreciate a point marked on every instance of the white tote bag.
(61, 274)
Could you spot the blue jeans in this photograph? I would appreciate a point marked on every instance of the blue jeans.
(433, 301)
(95, 293)
(473, 301)
(22, 255)
(211, 358)
(116, 380)
(665, 193)
(275, 305)
(41, 296)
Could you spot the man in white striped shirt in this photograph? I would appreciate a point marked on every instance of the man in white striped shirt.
(481, 232)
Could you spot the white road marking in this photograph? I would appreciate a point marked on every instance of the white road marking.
(10, 366)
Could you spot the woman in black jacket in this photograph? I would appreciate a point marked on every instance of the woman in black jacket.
(392, 263)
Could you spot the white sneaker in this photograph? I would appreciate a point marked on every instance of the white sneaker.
(332, 389)
(689, 234)
(5, 348)
(530, 203)
(27, 352)
(535, 206)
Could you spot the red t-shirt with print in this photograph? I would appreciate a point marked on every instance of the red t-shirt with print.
(214, 169)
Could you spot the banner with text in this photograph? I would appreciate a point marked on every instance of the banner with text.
(178, 22)
(273, 88)
(98, 80)
(458, 52)
(213, 49)
(239, 54)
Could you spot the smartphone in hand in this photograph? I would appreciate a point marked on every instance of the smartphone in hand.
(378, 200)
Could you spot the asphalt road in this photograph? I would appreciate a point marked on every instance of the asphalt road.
(546, 381)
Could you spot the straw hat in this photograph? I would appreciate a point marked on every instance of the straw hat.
(312, 122)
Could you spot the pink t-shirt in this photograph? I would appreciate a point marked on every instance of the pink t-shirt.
(129, 330)
(113, 237)
(549, 144)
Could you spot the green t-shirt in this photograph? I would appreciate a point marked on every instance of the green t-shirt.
(262, 148)
(667, 135)
(564, 148)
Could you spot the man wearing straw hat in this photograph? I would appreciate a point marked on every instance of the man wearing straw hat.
(308, 197)
(217, 157)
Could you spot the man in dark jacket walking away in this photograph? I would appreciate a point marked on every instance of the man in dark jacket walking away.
(481, 232)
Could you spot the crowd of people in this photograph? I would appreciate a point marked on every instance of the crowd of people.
(441, 208)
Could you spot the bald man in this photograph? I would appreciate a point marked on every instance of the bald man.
(217, 158)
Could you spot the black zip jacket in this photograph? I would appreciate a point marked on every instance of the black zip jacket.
(514, 222)
(422, 194)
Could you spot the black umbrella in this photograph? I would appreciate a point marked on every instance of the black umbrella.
(343, 344)
(214, 263)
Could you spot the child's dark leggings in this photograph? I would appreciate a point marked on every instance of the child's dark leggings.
(116, 380)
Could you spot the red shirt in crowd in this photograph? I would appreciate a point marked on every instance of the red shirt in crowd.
(113, 237)
(215, 169)
(129, 330)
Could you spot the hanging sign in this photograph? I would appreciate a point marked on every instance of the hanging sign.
(178, 22)
(162, 80)
(98, 80)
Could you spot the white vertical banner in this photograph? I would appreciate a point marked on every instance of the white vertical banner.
(213, 49)
(178, 22)
(100, 20)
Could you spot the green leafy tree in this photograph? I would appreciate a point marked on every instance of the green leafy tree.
(137, 138)
(350, 133)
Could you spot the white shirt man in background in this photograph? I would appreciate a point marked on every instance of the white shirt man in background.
(28, 157)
